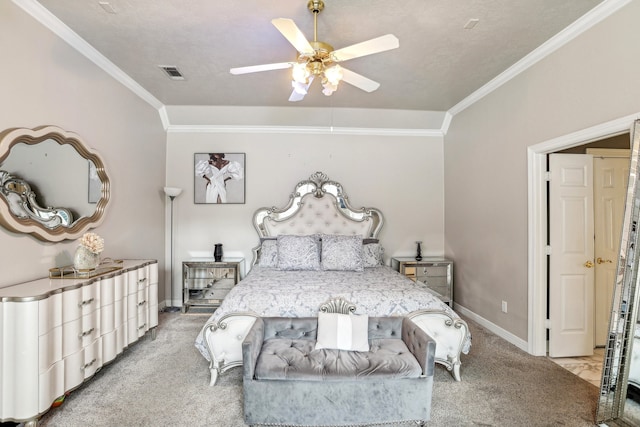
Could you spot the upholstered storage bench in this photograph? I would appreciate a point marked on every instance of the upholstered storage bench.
(287, 382)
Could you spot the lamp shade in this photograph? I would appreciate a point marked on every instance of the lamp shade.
(172, 191)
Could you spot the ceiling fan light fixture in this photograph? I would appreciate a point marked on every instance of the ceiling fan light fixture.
(333, 74)
(328, 87)
(300, 73)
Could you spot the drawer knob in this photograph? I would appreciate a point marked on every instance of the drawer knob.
(85, 333)
(86, 302)
(86, 365)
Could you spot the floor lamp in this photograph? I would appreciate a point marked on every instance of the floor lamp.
(172, 192)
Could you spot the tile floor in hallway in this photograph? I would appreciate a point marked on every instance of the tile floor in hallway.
(587, 367)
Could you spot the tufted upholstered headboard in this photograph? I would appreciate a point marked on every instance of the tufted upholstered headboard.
(317, 206)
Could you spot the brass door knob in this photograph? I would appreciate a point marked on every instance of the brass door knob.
(588, 264)
(603, 261)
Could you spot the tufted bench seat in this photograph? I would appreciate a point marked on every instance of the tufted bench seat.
(287, 382)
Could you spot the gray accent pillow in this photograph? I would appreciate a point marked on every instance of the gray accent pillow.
(342, 253)
(269, 254)
(298, 252)
(372, 255)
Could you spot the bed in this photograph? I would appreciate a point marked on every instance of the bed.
(288, 280)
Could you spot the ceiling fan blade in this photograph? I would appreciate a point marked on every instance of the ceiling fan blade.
(359, 81)
(299, 90)
(263, 67)
(369, 47)
(295, 96)
(291, 32)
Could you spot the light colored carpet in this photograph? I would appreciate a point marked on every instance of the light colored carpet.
(165, 382)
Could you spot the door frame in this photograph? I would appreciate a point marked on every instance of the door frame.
(537, 221)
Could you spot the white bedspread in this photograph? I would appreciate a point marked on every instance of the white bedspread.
(378, 291)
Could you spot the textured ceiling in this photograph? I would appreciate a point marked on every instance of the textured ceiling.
(438, 64)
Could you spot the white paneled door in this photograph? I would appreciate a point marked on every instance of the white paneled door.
(610, 180)
(571, 264)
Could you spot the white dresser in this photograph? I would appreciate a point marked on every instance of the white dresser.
(56, 333)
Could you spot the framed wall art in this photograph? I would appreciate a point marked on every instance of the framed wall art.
(219, 178)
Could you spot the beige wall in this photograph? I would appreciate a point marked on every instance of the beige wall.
(592, 80)
(43, 81)
(402, 176)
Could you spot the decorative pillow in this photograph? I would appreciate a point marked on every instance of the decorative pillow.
(342, 253)
(343, 332)
(372, 255)
(298, 252)
(268, 254)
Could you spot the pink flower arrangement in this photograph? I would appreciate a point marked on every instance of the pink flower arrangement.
(92, 242)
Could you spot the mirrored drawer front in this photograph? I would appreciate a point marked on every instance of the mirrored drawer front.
(210, 273)
(209, 283)
(444, 292)
(432, 281)
(433, 270)
(212, 294)
(198, 283)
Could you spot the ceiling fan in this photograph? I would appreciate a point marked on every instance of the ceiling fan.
(318, 59)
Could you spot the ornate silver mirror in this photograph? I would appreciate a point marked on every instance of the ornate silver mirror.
(52, 185)
(619, 402)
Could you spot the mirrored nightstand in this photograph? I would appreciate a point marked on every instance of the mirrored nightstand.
(205, 282)
(436, 274)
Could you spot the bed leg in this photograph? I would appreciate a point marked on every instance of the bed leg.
(214, 369)
(214, 376)
(456, 371)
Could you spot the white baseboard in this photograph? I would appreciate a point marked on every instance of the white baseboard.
(492, 327)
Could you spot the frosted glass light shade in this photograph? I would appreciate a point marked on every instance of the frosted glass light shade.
(172, 191)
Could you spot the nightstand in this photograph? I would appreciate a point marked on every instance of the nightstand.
(206, 282)
(436, 274)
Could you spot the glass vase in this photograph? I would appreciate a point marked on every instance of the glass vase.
(84, 259)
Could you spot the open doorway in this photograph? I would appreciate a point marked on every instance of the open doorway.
(586, 199)
(608, 161)
(537, 220)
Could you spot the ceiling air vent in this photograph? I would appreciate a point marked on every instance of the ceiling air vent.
(172, 71)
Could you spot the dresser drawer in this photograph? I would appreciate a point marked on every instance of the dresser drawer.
(433, 280)
(82, 364)
(80, 332)
(441, 271)
(51, 385)
(80, 301)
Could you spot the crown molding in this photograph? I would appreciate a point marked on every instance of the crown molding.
(164, 117)
(582, 24)
(317, 130)
(46, 18)
(446, 122)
